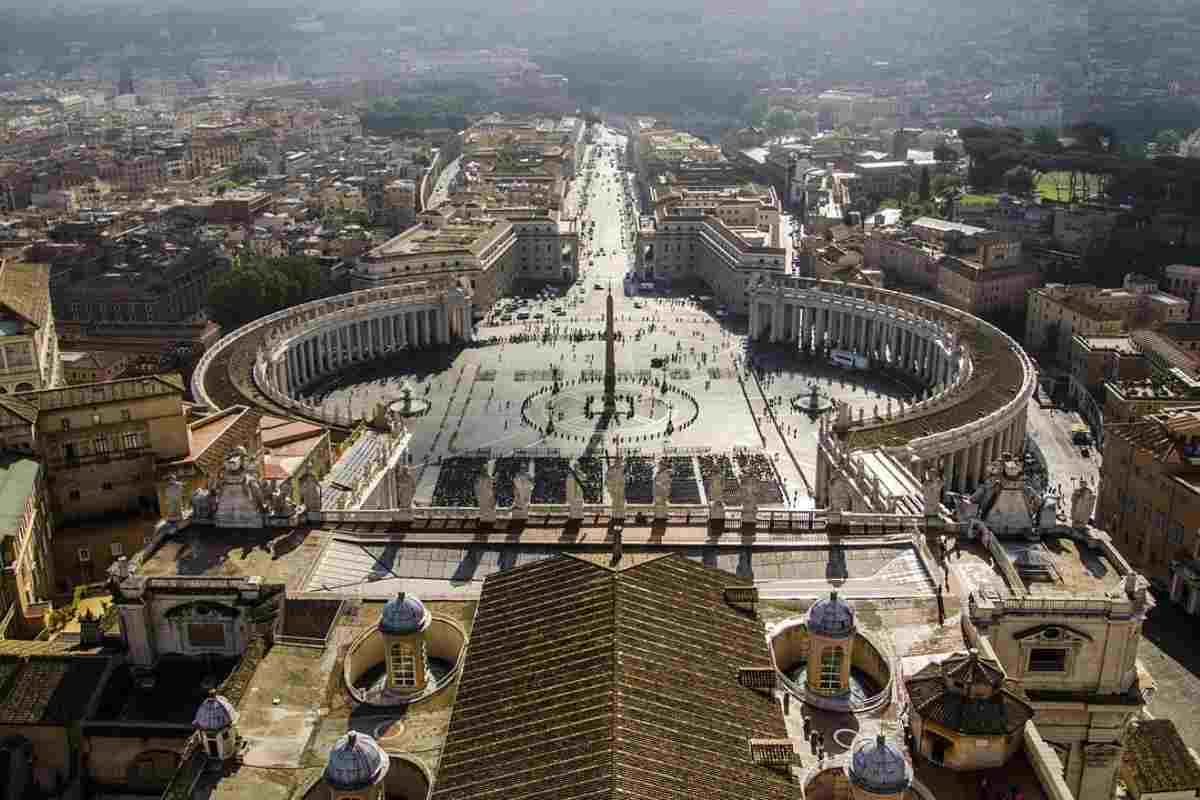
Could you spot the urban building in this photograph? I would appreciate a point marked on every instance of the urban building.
(93, 366)
(1150, 490)
(1056, 312)
(485, 255)
(726, 236)
(28, 340)
(1098, 360)
(1183, 280)
(103, 443)
(26, 563)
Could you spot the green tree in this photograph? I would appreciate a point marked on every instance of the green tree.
(1046, 140)
(1020, 181)
(756, 110)
(944, 153)
(258, 286)
(1166, 142)
(941, 184)
(923, 187)
(779, 121)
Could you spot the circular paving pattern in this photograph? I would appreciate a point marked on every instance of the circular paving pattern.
(641, 412)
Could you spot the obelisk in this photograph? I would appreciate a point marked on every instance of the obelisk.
(610, 356)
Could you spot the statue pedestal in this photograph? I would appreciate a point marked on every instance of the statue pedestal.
(236, 508)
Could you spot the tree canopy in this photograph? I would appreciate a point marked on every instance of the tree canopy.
(256, 286)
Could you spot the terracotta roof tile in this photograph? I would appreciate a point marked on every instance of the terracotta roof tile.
(582, 681)
(25, 289)
(1156, 759)
(47, 690)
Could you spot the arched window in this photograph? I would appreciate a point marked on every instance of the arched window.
(831, 669)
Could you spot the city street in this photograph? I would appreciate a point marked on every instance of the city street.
(1051, 432)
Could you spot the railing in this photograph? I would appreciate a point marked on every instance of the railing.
(767, 521)
(1073, 606)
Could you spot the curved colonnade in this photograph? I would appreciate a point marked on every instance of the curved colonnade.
(273, 359)
(979, 380)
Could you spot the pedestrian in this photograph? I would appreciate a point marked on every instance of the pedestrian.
(807, 728)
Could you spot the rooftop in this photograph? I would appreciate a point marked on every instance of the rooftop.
(453, 237)
(641, 667)
(1113, 344)
(47, 689)
(1074, 568)
(1156, 759)
(944, 225)
(18, 483)
(25, 290)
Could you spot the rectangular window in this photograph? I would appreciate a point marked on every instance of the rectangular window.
(131, 440)
(125, 415)
(85, 555)
(206, 634)
(1045, 659)
(831, 669)
(100, 445)
(404, 666)
(117, 549)
(1175, 534)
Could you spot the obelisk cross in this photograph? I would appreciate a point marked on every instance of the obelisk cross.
(610, 355)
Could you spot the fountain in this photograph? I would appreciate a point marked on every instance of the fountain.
(408, 405)
(815, 403)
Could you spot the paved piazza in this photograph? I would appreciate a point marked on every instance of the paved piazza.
(479, 394)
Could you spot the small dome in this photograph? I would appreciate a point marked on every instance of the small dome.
(879, 767)
(832, 617)
(404, 614)
(214, 714)
(355, 762)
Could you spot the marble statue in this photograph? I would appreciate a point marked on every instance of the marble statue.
(1083, 503)
(485, 491)
(615, 480)
(716, 488)
(202, 504)
(174, 495)
(310, 493)
(279, 499)
(662, 490)
(749, 501)
(574, 495)
(716, 497)
(843, 413)
(931, 490)
(406, 486)
(522, 491)
(839, 495)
